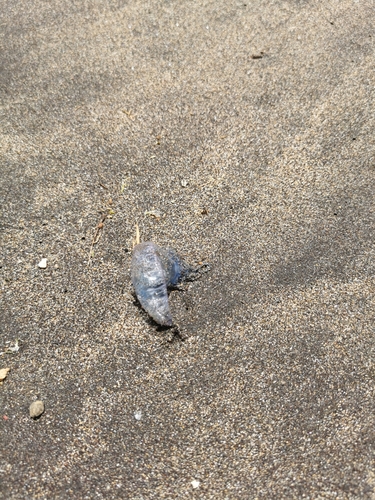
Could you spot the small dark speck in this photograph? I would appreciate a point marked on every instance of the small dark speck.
(354, 138)
(126, 250)
(83, 238)
(65, 290)
(334, 213)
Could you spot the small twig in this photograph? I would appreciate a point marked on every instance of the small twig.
(258, 56)
(129, 114)
(97, 235)
(137, 239)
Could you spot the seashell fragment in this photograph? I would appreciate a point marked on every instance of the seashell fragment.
(153, 270)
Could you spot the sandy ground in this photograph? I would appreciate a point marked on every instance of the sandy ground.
(248, 126)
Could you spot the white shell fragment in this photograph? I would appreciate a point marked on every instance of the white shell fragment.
(138, 415)
(195, 484)
(42, 264)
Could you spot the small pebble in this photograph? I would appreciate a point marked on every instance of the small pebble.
(42, 264)
(184, 183)
(138, 415)
(36, 409)
(195, 484)
(4, 373)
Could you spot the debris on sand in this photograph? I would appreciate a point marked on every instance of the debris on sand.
(36, 409)
(3, 374)
(42, 264)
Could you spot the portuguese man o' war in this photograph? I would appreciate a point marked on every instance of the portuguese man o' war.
(153, 271)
